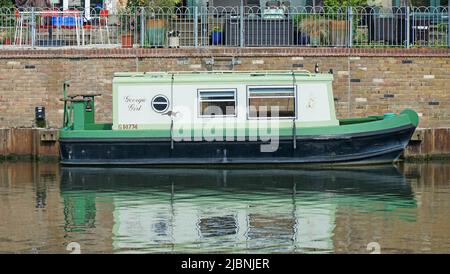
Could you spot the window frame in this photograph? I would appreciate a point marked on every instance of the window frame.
(199, 102)
(248, 87)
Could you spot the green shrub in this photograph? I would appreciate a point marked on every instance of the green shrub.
(6, 4)
(344, 3)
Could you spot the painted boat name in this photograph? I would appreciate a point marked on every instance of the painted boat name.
(134, 104)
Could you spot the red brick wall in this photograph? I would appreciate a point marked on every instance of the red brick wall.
(367, 81)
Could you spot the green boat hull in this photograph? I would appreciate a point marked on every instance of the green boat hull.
(355, 141)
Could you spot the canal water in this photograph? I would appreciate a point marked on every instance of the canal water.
(44, 208)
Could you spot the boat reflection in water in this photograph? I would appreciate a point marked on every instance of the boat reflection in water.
(229, 210)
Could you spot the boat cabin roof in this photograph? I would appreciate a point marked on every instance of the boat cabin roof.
(221, 76)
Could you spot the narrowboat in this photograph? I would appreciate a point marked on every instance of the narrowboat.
(227, 117)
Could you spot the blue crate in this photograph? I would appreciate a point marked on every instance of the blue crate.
(66, 21)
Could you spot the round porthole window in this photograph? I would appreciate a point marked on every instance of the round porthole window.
(160, 103)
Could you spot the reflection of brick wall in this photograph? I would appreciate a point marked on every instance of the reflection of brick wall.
(415, 223)
(40, 208)
(44, 224)
(375, 80)
(265, 105)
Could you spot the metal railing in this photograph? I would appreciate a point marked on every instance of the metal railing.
(227, 27)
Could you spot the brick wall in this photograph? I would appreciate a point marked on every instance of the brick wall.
(367, 81)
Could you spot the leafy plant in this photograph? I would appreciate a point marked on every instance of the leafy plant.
(6, 36)
(420, 3)
(217, 29)
(301, 19)
(152, 4)
(314, 25)
(162, 3)
(337, 8)
(344, 3)
(7, 14)
(442, 27)
(133, 4)
(6, 4)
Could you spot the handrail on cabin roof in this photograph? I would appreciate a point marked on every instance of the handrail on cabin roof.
(251, 73)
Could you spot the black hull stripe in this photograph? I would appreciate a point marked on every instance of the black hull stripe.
(392, 154)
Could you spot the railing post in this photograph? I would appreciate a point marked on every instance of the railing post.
(33, 27)
(408, 11)
(241, 26)
(196, 26)
(448, 24)
(412, 27)
(350, 27)
(142, 33)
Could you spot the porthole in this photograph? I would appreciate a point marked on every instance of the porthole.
(160, 103)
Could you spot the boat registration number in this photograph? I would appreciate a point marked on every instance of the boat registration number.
(128, 126)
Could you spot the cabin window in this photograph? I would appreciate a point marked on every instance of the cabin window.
(217, 102)
(160, 103)
(271, 102)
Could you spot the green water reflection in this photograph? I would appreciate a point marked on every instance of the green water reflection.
(180, 210)
(43, 207)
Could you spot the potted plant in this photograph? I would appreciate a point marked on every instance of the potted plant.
(338, 26)
(311, 29)
(127, 35)
(7, 38)
(6, 23)
(216, 36)
(156, 30)
(337, 32)
(128, 23)
(156, 25)
(127, 40)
